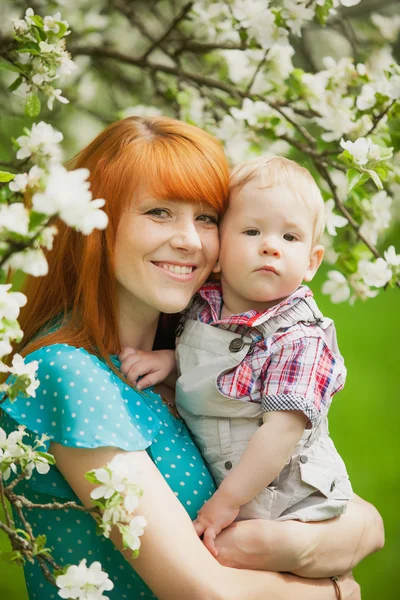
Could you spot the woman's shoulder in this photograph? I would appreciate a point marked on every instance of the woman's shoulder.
(82, 402)
(55, 354)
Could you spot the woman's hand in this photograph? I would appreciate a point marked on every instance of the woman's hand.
(322, 549)
(349, 588)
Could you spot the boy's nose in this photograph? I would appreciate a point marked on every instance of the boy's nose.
(270, 247)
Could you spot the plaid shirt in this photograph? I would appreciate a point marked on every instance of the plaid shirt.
(293, 369)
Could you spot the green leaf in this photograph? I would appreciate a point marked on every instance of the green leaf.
(5, 177)
(90, 476)
(32, 106)
(49, 457)
(375, 178)
(36, 220)
(63, 29)
(37, 19)
(30, 47)
(355, 179)
(322, 12)
(5, 65)
(15, 84)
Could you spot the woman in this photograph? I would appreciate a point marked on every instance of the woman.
(166, 183)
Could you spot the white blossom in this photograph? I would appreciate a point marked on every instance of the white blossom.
(251, 111)
(84, 583)
(10, 302)
(31, 261)
(15, 217)
(22, 181)
(360, 290)
(133, 531)
(20, 367)
(297, 13)
(394, 87)
(389, 27)
(376, 214)
(362, 150)
(41, 141)
(67, 194)
(54, 94)
(257, 18)
(234, 135)
(331, 219)
(348, 3)
(391, 257)
(10, 449)
(367, 98)
(336, 287)
(375, 274)
(116, 477)
(330, 256)
(239, 66)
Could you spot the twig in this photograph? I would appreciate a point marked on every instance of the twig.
(174, 23)
(340, 206)
(379, 117)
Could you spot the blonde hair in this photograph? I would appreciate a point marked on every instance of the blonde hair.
(277, 170)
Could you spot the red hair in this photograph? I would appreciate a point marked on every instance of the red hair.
(171, 159)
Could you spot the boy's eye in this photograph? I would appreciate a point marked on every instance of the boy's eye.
(208, 219)
(289, 237)
(252, 232)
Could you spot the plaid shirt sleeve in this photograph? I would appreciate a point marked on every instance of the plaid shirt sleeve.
(302, 374)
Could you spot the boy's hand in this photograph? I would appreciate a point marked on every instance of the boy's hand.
(215, 515)
(152, 367)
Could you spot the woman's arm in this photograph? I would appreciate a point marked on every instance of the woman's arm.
(320, 549)
(173, 561)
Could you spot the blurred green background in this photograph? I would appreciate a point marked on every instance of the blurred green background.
(364, 423)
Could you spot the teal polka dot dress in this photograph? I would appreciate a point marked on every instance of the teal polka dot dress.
(81, 403)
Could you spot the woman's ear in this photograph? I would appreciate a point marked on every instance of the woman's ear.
(216, 267)
(316, 256)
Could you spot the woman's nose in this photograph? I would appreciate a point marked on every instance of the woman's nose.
(186, 237)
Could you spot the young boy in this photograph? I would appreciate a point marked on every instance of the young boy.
(258, 364)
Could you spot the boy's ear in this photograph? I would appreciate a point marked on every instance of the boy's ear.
(316, 256)
(216, 267)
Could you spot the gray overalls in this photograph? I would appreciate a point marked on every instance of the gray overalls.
(314, 484)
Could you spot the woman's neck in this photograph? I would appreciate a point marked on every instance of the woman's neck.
(137, 325)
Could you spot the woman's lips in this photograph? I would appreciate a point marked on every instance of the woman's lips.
(178, 270)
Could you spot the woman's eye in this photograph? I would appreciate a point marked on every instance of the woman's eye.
(289, 237)
(158, 212)
(252, 232)
(208, 219)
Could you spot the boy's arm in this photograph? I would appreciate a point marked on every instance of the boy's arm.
(265, 456)
(151, 367)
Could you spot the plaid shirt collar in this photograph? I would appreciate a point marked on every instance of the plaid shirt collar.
(212, 295)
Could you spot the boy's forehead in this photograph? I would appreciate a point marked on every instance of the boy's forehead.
(256, 200)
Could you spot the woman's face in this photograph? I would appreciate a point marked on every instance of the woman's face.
(164, 251)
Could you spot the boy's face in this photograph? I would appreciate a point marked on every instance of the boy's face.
(266, 247)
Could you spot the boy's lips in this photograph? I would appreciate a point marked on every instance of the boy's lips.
(269, 269)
